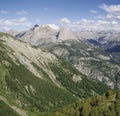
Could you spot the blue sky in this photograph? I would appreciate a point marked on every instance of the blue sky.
(76, 14)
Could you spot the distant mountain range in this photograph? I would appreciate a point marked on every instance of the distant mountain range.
(45, 34)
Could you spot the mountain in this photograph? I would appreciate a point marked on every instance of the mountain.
(39, 35)
(45, 34)
(34, 81)
(108, 41)
(100, 36)
(85, 50)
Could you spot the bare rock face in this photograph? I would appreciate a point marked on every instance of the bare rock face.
(66, 34)
(45, 34)
(39, 35)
